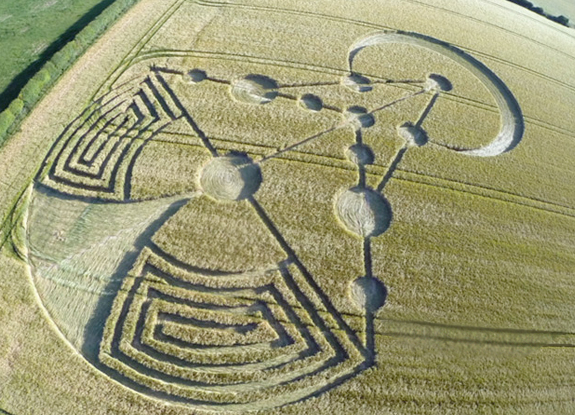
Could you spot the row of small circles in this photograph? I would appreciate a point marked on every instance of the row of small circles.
(260, 89)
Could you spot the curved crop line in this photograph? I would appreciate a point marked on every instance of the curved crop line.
(512, 125)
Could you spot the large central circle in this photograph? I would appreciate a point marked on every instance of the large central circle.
(231, 177)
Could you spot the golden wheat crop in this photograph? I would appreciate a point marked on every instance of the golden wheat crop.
(238, 207)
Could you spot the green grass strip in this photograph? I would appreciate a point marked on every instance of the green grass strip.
(60, 62)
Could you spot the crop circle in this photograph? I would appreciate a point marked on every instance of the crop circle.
(363, 211)
(311, 102)
(255, 89)
(360, 154)
(231, 177)
(368, 293)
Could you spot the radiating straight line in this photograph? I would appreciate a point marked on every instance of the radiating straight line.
(427, 110)
(299, 143)
(397, 101)
(187, 116)
(392, 168)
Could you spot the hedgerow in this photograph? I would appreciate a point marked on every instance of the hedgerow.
(37, 87)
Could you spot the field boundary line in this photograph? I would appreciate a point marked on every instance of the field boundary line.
(550, 127)
(128, 60)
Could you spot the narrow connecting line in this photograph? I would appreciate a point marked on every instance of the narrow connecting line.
(368, 336)
(161, 69)
(205, 140)
(358, 136)
(302, 142)
(397, 101)
(287, 96)
(447, 146)
(361, 181)
(218, 81)
(333, 108)
(392, 167)
(361, 172)
(309, 84)
(427, 110)
(398, 81)
(367, 256)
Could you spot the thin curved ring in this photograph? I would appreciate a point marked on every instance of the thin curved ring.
(512, 124)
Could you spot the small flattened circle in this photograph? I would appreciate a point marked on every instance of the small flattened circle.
(360, 154)
(359, 117)
(368, 293)
(414, 136)
(231, 177)
(311, 102)
(363, 211)
(357, 83)
(255, 89)
(195, 76)
(437, 82)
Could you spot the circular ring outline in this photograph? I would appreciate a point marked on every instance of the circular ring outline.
(512, 124)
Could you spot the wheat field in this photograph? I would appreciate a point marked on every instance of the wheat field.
(299, 207)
